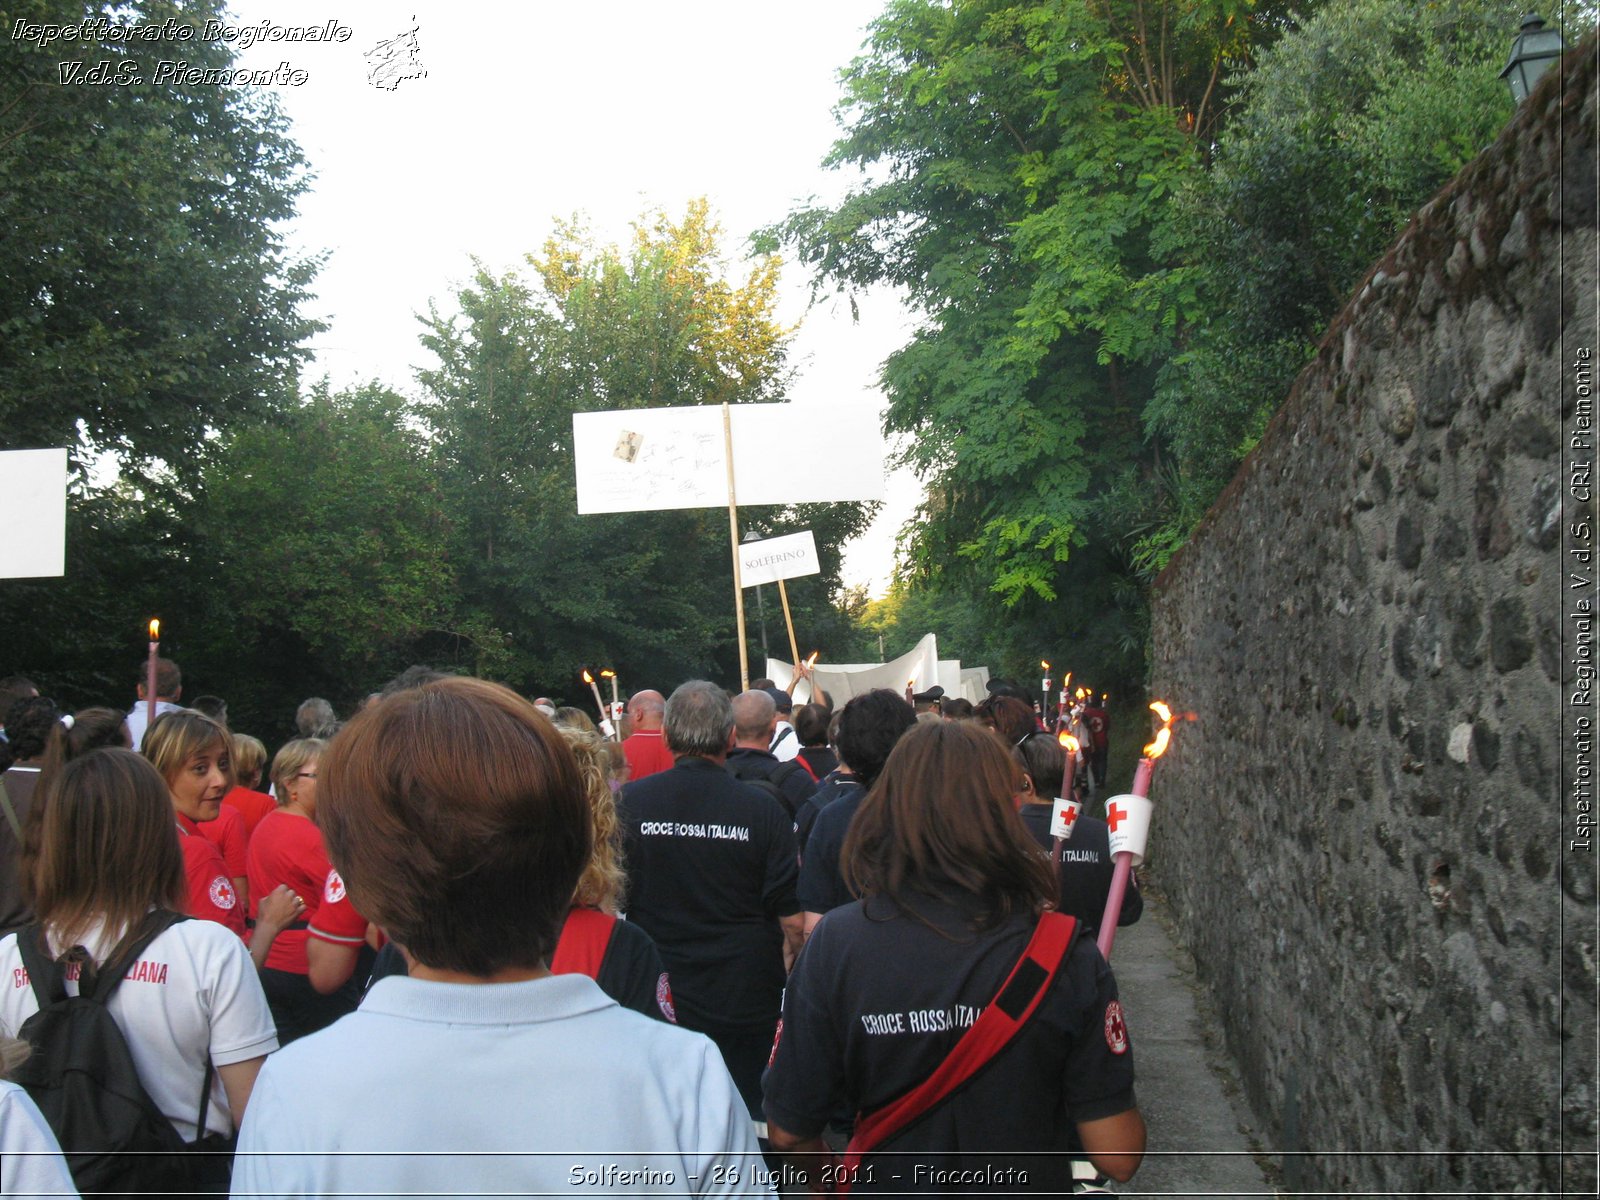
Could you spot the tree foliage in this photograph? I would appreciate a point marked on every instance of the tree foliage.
(1343, 130)
(662, 322)
(148, 296)
(1019, 161)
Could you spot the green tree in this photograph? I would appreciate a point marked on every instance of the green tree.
(1020, 157)
(659, 323)
(321, 539)
(148, 296)
(1344, 128)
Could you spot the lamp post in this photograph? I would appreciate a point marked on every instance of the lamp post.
(1532, 53)
(761, 603)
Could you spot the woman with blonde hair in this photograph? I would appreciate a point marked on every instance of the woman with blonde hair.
(194, 755)
(109, 891)
(309, 970)
(249, 762)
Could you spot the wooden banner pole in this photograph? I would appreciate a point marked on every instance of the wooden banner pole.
(794, 650)
(733, 539)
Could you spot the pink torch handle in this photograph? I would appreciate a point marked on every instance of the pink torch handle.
(1119, 874)
(150, 686)
(1066, 794)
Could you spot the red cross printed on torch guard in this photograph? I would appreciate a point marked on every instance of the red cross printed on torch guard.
(1114, 817)
(1068, 816)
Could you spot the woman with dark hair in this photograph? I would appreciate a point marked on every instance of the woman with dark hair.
(954, 896)
(461, 822)
(811, 727)
(108, 888)
(31, 724)
(191, 751)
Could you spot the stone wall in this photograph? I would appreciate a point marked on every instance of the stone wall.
(1363, 831)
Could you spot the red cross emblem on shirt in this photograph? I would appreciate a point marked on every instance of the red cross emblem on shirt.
(1114, 817)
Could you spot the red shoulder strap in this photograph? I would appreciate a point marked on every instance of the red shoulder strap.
(582, 945)
(1002, 1020)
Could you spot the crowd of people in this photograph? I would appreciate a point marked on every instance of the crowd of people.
(462, 942)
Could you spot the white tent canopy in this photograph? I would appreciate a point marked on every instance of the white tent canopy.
(921, 667)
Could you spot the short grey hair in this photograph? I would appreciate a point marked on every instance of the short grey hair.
(315, 719)
(699, 719)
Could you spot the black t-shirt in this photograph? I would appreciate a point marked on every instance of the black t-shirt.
(793, 782)
(820, 759)
(822, 885)
(711, 867)
(630, 973)
(878, 1000)
(633, 975)
(829, 788)
(1086, 868)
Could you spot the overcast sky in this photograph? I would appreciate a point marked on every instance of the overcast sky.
(541, 109)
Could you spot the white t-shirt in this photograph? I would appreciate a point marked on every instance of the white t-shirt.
(30, 1157)
(785, 741)
(193, 991)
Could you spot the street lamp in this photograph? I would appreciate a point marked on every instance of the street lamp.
(761, 603)
(1532, 53)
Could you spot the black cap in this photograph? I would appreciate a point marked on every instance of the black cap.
(780, 699)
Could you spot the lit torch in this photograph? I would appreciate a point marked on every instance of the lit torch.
(599, 704)
(615, 711)
(1128, 822)
(1067, 806)
(150, 674)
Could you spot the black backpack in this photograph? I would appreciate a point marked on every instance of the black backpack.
(81, 1075)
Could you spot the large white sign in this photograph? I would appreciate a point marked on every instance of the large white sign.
(33, 513)
(644, 459)
(786, 557)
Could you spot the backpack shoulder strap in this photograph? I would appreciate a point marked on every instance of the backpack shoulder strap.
(1016, 1001)
(778, 741)
(111, 974)
(48, 977)
(584, 939)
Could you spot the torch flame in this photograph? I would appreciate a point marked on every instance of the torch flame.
(1163, 735)
(1044, 664)
(607, 673)
(812, 661)
(1068, 742)
(155, 630)
(587, 678)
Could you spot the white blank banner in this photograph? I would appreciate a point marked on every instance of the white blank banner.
(33, 513)
(645, 459)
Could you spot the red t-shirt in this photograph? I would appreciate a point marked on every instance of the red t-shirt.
(228, 834)
(287, 848)
(211, 894)
(252, 806)
(647, 753)
(337, 920)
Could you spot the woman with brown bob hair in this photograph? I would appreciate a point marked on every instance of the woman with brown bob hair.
(194, 755)
(952, 889)
(617, 954)
(460, 821)
(109, 888)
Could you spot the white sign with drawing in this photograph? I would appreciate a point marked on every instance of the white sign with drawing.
(786, 557)
(33, 513)
(643, 459)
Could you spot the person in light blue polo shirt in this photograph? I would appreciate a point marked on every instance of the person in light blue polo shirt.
(457, 818)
